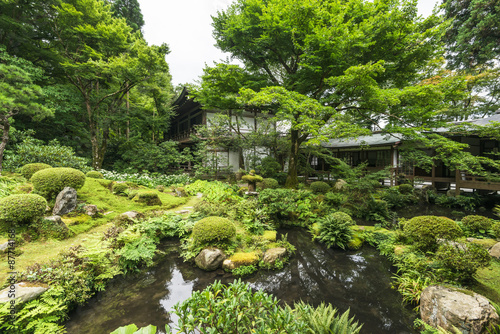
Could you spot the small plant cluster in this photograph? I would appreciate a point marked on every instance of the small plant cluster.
(335, 230)
(148, 180)
(213, 191)
(231, 309)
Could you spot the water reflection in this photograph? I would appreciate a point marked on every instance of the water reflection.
(355, 280)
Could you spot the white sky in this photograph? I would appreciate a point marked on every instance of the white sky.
(185, 26)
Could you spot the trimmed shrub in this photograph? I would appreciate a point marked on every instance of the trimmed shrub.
(28, 170)
(463, 260)
(320, 187)
(213, 229)
(149, 198)
(268, 183)
(334, 230)
(405, 188)
(93, 174)
(119, 188)
(22, 209)
(476, 224)
(425, 230)
(50, 182)
(269, 166)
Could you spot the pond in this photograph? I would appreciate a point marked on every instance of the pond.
(356, 280)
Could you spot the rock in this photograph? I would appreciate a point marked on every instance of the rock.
(181, 212)
(228, 265)
(447, 307)
(127, 218)
(90, 210)
(23, 292)
(495, 251)
(271, 255)
(199, 195)
(65, 202)
(133, 214)
(62, 230)
(210, 259)
(4, 247)
(340, 185)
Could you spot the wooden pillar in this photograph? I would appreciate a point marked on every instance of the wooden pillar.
(433, 175)
(458, 179)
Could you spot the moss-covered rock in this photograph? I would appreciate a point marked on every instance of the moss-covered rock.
(119, 188)
(269, 236)
(29, 169)
(93, 174)
(22, 209)
(149, 198)
(425, 230)
(240, 259)
(50, 182)
(213, 229)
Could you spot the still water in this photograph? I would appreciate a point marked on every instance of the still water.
(355, 280)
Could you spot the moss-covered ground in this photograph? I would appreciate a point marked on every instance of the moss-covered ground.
(84, 227)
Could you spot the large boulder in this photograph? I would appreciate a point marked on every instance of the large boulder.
(21, 292)
(273, 254)
(210, 259)
(446, 307)
(65, 202)
(62, 231)
(495, 251)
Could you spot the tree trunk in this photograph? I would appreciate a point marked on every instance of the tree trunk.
(5, 139)
(292, 179)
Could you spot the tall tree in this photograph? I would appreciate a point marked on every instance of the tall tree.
(130, 10)
(327, 59)
(473, 38)
(18, 93)
(103, 59)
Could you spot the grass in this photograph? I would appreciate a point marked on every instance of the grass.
(86, 229)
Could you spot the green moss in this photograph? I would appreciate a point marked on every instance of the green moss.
(149, 198)
(29, 169)
(405, 188)
(487, 282)
(119, 188)
(213, 229)
(485, 243)
(49, 182)
(94, 174)
(252, 178)
(355, 243)
(21, 209)
(269, 235)
(244, 259)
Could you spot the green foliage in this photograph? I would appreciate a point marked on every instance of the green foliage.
(137, 253)
(268, 183)
(243, 271)
(476, 223)
(146, 179)
(148, 197)
(119, 188)
(410, 286)
(336, 199)
(464, 202)
(463, 260)
(495, 228)
(35, 151)
(28, 170)
(22, 209)
(425, 230)
(41, 316)
(405, 189)
(214, 192)
(396, 198)
(335, 230)
(320, 187)
(287, 206)
(232, 309)
(269, 166)
(94, 174)
(49, 182)
(132, 329)
(213, 229)
(252, 178)
(324, 319)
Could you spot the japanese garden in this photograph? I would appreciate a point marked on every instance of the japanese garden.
(338, 173)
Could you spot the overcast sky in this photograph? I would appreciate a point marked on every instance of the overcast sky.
(186, 27)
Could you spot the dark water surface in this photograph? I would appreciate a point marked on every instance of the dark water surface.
(359, 280)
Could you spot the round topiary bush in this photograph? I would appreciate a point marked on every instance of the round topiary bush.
(268, 183)
(320, 187)
(29, 169)
(335, 230)
(405, 188)
(149, 198)
(476, 224)
(22, 209)
(119, 188)
(213, 229)
(50, 182)
(93, 174)
(425, 230)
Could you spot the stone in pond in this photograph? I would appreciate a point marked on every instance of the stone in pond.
(210, 259)
(273, 254)
(446, 307)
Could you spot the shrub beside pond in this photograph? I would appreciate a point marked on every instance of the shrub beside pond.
(425, 230)
(213, 229)
(475, 223)
(335, 230)
(320, 187)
